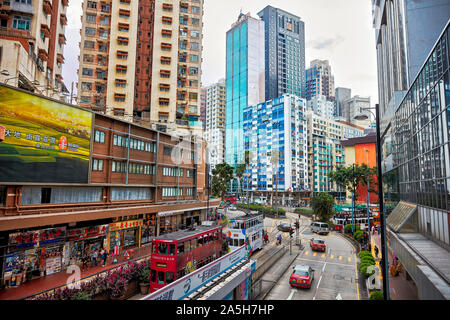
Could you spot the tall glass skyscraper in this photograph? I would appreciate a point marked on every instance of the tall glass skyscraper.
(244, 80)
(414, 95)
(284, 53)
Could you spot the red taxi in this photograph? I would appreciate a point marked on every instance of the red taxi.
(318, 244)
(302, 276)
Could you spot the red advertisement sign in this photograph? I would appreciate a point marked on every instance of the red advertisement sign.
(25, 239)
(86, 233)
(52, 235)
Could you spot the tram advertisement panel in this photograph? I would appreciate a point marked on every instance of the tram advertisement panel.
(45, 141)
(191, 282)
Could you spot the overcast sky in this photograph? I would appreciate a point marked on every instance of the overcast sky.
(336, 30)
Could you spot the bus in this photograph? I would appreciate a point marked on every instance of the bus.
(230, 199)
(248, 230)
(344, 218)
(179, 253)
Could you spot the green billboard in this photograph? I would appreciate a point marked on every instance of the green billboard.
(44, 140)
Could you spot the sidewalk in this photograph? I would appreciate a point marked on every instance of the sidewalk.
(399, 287)
(47, 283)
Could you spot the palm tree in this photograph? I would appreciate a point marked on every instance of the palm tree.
(350, 178)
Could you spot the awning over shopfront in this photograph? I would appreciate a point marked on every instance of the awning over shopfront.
(169, 213)
(400, 215)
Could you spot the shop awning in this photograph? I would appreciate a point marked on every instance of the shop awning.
(398, 217)
(169, 213)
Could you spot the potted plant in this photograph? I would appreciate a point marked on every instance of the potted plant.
(144, 281)
(99, 288)
(116, 285)
(131, 273)
(82, 295)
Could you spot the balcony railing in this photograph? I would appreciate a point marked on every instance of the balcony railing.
(15, 33)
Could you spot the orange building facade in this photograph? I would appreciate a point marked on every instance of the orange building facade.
(356, 153)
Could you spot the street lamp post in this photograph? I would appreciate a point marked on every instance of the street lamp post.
(368, 200)
(384, 262)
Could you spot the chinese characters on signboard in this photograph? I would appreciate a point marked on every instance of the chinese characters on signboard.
(45, 141)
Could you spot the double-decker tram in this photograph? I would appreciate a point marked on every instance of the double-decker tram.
(176, 254)
(246, 230)
(344, 218)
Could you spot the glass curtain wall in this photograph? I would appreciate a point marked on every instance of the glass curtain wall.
(418, 139)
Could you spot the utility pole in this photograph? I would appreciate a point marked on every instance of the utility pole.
(368, 200)
(71, 93)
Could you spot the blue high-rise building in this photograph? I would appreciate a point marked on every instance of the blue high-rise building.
(275, 134)
(284, 53)
(244, 80)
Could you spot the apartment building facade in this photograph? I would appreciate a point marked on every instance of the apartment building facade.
(275, 135)
(325, 151)
(321, 106)
(215, 96)
(141, 61)
(319, 80)
(32, 39)
(353, 107)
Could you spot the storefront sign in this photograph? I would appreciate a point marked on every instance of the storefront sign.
(86, 233)
(23, 239)
(125, 225)
(52, 235)
(165, 214)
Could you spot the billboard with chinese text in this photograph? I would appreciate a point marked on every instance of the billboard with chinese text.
(45, 141)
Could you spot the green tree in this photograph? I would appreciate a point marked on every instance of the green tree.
(351, 177)
(323, 206)
(222, 175)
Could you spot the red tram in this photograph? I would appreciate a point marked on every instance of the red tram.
(176, 254)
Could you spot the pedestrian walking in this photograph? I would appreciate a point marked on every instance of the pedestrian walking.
(84, 261)
(376, 252)
(94, 258)
(266, 238)
(279, 239)
(394, 260)
(103, 256)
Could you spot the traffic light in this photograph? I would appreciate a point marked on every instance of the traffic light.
(365, 238)
(297, 225)
(291, 232)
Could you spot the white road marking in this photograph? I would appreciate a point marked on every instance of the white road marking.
(320, 279)
(291, 295)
